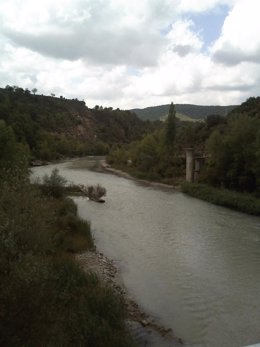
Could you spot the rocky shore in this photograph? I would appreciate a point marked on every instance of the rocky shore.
(107, 271)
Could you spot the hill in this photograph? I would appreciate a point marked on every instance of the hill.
(53, 127)
(193, 112)
(250, 107)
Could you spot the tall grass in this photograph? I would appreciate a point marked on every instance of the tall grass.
(242, 202)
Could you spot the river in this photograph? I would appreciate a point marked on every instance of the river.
(193, 266)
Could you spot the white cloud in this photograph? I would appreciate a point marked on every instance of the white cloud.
(114, 52)
(203, 5)
(104, 32)
(240, 40)
(182, 39)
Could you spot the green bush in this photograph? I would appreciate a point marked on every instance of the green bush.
(76, 234)
(67, 206)
(54, 185)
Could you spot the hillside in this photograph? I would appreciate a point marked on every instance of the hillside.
(53, 127)
(195, 112)
(250, 107)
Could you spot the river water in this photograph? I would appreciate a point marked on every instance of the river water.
(193, 266)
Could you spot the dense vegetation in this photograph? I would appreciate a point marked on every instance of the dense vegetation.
(243, 202)
(45, 297)
(231, 145)
(52, 127)
(192, 111)
(160, 155)
(234, 160)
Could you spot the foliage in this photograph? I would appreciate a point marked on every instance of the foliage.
(150, 158)
(45, 297)
(234, 155)
(73, 233)
(231, 144)
(239, 201)
(52, 127)
(251, 107)
(13, 156)
(170, 129)
(54, 185)
(94, 192)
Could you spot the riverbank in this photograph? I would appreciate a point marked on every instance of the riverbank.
(43, 288)
(242, 202)
(137, 319)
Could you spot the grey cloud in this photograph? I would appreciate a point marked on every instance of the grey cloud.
(230, 55)
(183, 50)
(232, 87)
(128, 47)
(107, 93)
(95, 31)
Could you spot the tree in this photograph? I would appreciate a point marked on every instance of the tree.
(234, 155)
(13, 155)
(170, 131)
(34, 90)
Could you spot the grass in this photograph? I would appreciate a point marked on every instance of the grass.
(46, 299)
(242, 202)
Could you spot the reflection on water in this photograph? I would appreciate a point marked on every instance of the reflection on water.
(192, 265)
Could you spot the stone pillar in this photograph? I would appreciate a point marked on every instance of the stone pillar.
(189, 165)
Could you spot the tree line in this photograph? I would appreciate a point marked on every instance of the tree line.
(231, 143)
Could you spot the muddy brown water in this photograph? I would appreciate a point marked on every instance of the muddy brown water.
(193, 266)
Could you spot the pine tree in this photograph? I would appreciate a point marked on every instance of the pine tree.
(170, 131)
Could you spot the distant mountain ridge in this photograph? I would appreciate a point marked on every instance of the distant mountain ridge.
(195, 112)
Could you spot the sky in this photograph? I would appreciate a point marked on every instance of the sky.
(133, 53)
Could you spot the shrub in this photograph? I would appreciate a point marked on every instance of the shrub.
(54, 185)
(76, 234)
(94, 192)
(67, 206)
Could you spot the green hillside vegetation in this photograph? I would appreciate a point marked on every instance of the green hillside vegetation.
(234, 161)
(46, 299)
(153, 158)
(195, 112)
(52, 127)
(231, 144)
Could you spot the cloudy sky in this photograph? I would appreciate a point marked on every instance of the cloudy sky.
(133, 53)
